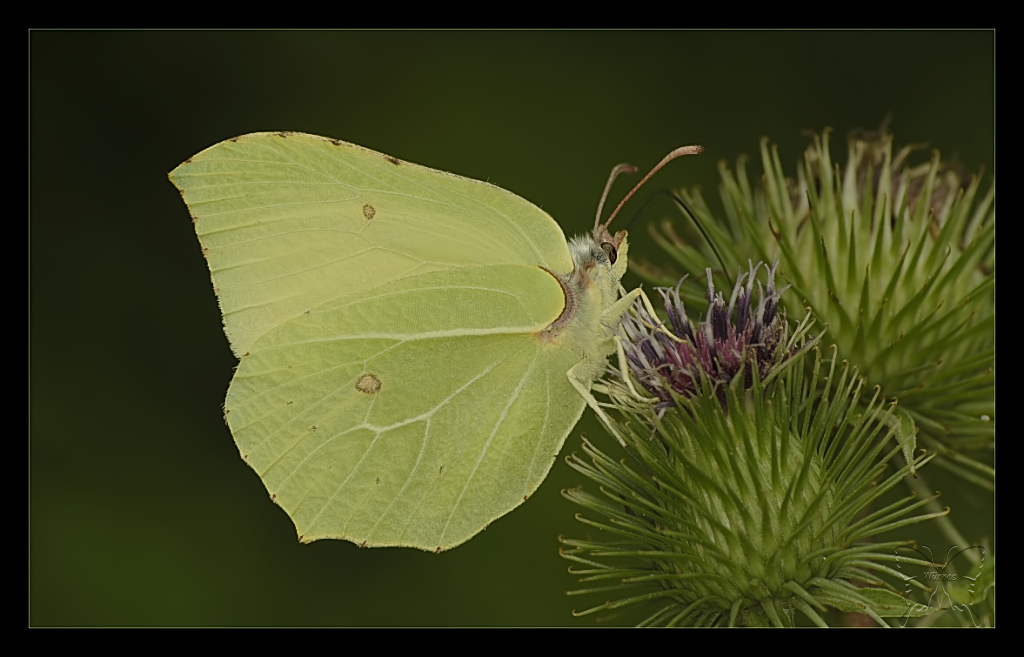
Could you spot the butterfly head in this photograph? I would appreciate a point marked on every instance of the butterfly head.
(613, 246)
(599, 260)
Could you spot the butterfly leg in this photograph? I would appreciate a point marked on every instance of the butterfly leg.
(610, 318)
(581, 379)
(639, 292)
(623, 305)
(624, 369)
(647, 303)
(661, 328)
(583, 374)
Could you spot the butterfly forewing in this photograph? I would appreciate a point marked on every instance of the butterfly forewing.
(288, 221)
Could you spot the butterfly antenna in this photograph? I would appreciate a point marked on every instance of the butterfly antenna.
(679, 152)
(696, 222)
(616, 172)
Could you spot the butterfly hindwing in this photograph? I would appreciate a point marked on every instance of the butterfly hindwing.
(413, 413)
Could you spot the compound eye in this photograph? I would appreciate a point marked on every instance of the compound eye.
(609, 249)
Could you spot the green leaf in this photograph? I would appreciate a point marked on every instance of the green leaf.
(971, 591)
(883, 602)
(906, 435)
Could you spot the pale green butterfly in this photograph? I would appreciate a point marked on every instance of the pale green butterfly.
(415, 346)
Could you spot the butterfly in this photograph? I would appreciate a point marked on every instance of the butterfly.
(414, 346)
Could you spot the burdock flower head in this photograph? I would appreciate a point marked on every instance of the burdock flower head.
(897, 257)
(752, 492)
(671, 361)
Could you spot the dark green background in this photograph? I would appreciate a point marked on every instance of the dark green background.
(140, 509)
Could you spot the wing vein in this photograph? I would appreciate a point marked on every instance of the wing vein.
(382, 430)
(487, 445)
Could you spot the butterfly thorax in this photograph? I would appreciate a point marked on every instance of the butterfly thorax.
(590, 289)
